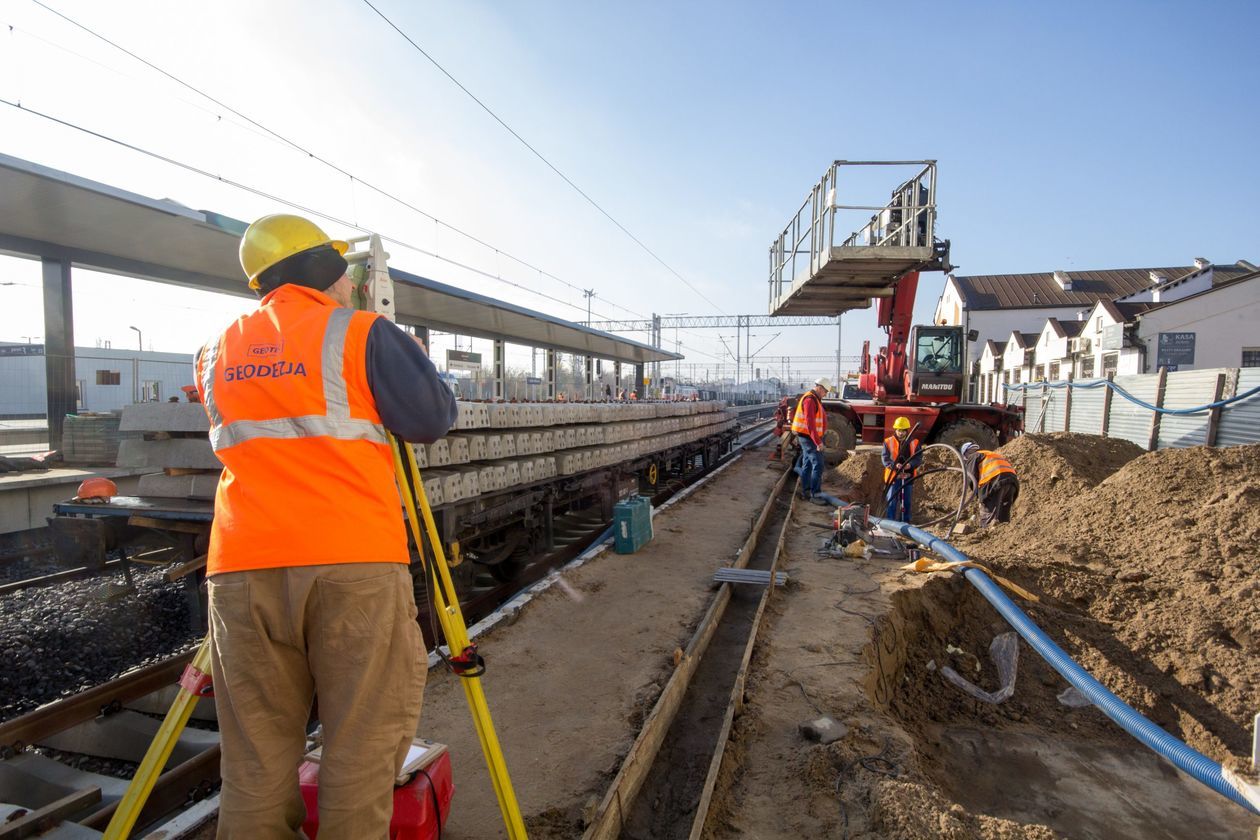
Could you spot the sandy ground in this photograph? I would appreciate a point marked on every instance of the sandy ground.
(570, 682)
(1157, 610)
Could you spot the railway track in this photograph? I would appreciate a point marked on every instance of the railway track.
(51, 759)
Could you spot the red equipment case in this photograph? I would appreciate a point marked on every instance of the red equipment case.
(420, 807)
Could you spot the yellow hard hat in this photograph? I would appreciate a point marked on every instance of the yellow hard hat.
(274, 238)
(901, 423)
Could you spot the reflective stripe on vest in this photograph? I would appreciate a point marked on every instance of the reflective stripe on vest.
(993, 465)
(894, 452)
(336, 421)
(802, 425)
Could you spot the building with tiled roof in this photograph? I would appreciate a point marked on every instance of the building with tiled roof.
(996, 305)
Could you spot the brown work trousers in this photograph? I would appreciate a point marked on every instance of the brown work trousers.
(345, 633)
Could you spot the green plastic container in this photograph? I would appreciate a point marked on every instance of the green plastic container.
(632, 524)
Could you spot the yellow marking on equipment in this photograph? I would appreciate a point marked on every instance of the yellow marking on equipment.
(159, 751)
(456, 632)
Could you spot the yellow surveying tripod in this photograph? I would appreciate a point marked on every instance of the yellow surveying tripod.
(372, 286)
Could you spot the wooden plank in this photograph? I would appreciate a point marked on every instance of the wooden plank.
(41, 819)
(615, 806)
(168, 524)
(1106, 407)
(736, 705)
(1214, 416)
(186, 568)
(1160, 385)
(1067, 404)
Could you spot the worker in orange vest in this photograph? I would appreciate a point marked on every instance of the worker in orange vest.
(309, 581)
(997, 484)
(902, 458)
(809, 424)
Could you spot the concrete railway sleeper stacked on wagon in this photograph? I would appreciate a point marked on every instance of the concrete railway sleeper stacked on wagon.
(498, 482)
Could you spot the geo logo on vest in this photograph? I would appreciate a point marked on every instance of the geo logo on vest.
(266, 349)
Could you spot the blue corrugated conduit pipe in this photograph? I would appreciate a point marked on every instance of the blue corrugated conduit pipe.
(1184, 757)
(1106, 383)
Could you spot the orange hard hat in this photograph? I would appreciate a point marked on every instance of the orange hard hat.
(97, 488)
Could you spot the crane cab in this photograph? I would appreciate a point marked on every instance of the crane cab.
(935, 369)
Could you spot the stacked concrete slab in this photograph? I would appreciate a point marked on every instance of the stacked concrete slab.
(498, 446)
(493, 446)
(172, 438)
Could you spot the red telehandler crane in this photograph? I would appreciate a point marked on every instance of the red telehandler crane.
(920, 374)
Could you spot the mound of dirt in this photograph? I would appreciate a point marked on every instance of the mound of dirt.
(1055, 468)
(859, 477)
(1148, 581)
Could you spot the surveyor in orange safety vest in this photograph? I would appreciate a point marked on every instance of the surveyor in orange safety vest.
(310, 590)
(902, 457)
(997, 484)
(809, 424)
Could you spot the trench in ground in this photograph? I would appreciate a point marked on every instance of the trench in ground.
(666, 804)
(1031, 759)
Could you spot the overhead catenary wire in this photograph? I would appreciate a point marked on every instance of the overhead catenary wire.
(541, 156)
(397, 240)
(293, 144)
(266, 132)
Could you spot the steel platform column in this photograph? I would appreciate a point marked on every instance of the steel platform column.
(550, 374)
(500, 349)
(58, 347)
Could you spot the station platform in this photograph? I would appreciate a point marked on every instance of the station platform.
(27, 499)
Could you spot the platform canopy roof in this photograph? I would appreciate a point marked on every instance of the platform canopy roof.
(47, 213)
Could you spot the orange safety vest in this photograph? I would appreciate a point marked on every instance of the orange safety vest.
(801, 424)
(993, 465)
(308, 476)
(894, 452)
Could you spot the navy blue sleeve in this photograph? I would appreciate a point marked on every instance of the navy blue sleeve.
(413, 402)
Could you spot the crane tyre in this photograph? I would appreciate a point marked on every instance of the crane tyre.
(840, 439)
(964, 430)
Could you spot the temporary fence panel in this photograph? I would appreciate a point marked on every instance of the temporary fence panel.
(1240, 421)
(1128, 420)
(1187, 389)
(1087, 407)
(1056, 410)
(1033, 419)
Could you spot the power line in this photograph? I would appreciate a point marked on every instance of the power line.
(268, 133)
(540, 155)
(313, 156)
(272, 197)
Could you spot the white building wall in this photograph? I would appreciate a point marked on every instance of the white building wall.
(24, 386)
(949, 306)
(1223, 321)
(1199, 283)
(998, 324)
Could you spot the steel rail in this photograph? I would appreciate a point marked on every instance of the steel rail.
(60, 715)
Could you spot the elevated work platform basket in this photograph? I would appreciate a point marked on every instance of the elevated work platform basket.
(814, 273)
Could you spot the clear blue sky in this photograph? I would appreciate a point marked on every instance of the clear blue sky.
(1068, 135)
